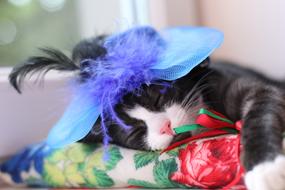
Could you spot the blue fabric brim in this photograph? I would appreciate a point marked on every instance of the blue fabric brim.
(186, 48)
(76, 123)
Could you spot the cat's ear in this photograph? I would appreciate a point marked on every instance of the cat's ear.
(200, 69)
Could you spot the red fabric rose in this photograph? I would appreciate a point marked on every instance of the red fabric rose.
(211, 163)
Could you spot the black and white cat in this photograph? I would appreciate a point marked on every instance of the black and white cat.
(234, 91)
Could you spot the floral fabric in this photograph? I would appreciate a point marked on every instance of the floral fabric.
(206, 163)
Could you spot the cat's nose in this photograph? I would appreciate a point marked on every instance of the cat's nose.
(166, 128)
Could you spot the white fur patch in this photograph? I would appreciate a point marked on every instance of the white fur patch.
(154, 120)
(267, 176)
(247, 107)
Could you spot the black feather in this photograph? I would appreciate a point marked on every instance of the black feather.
(53, 60)
(89, 49)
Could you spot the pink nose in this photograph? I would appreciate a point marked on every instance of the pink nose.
(166, 128)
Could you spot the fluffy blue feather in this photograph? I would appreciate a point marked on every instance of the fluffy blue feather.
(126, 66)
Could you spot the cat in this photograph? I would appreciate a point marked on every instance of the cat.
(235, 91)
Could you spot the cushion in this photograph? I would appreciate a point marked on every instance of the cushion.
(203, 163)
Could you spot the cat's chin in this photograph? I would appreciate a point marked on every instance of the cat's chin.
(158, 142)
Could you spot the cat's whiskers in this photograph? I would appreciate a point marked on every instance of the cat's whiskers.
(189, 101)
(196, 88)
(194, 103)
(192, 98)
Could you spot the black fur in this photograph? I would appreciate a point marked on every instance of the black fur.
(257, 100)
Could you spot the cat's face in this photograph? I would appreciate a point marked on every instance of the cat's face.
(160, 124)
(155, 112)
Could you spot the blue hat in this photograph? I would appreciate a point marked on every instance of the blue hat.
(137, 56)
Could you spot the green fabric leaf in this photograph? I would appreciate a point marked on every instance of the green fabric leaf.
(102, 179)
(162, 171)
(173, 153)
(81, 167)
(142, 159)
(114, 157)
(142, 183)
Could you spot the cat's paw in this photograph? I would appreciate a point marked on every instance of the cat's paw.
(267, 176)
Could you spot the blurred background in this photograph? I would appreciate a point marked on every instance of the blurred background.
(253, 37)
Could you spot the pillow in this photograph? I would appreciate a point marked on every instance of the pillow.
(203, 163)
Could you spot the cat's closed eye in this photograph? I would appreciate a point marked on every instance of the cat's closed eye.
(160, 124)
